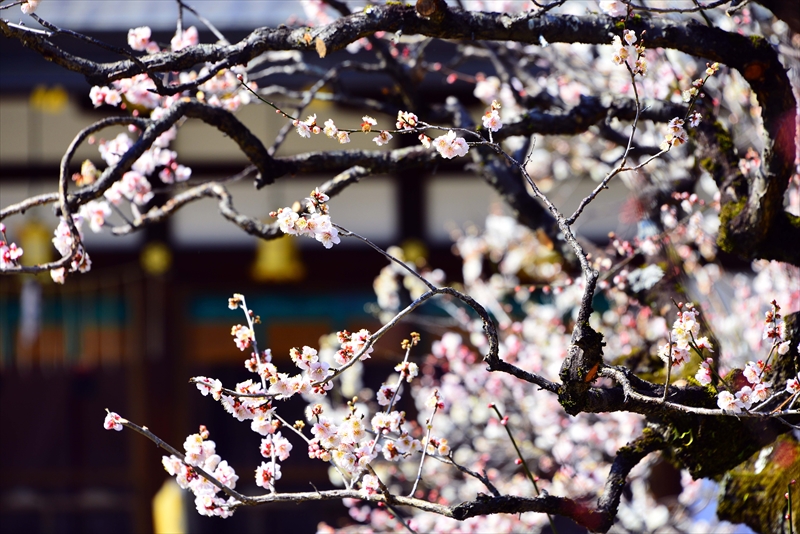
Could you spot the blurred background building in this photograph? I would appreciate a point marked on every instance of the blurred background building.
(152, 312)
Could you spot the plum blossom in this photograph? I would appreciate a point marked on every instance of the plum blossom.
(188, 37)
(304, 128)
(330, 128)
(685, 332)
(726, 401)
(613, 8)
(104, 95)
(406, 120)
(29, 6)
(95, 211)
(133, 186)
(487, 90)
(209, 386)
(383, 138)
(491, 119)
(276, 444)
(703, 374)
(773, 324)
(761, 392)
(113, 421)
(242, 336)
(58, 275)
(175, 173)
(139, 90)
(9, 254)
(450, 146)
(63, 237)
(675, 135)
(793, 385)
(621, 52)
(370, 485)
(367, 123)
(111, 151)
(745, 397)
(139, 38)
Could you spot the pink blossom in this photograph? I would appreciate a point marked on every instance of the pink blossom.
(629, 36)
(136, 188)
(383, 138)
(367, 123)
(208, 385)
(450, 146)
(745, 397)
(276, 444)
(704, 372)
(267, 474)
(330, 128)
(189, 37)
(487, 90)
(370, 485)
(303, 129)
(95, 211)
(58, 275)
(726, 401)
(242, 336)
(9, 254)
(406, 120)
(752, 372)
(98, 95)
(613, 8)
(139, 38)
(760, 392)
(793, 385)
(29, 6)
(113, 421)
(491, 120)
(225, 474)
(63, 238)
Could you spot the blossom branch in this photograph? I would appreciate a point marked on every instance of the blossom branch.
(144, 431)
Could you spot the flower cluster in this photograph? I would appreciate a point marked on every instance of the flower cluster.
(29, 6)
(9, 252)
(309, 126)
(139, 39)
(754, 392)
(406, 120)
(690, 94)
(629, 49)
(201, 452)
(242, 336)
(64, 241)
(113, 421)
(491, 119)
(675, 136)
(350, 441)
(684, 337)
(450, 145)
(313, 222)
(613, 8)
(358, 344)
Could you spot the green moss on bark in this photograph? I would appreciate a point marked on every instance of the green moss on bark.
(729, 212)
(753, 493)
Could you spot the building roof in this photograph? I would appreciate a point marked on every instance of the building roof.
(118, 15)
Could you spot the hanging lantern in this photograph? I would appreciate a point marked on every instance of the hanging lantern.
(278, 260)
